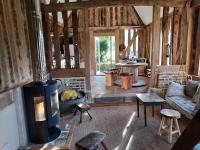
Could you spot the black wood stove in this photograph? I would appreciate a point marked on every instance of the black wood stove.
(42, 111)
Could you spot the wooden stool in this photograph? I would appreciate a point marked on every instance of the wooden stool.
(168, 117)
(126, 80)
(116, 73)
(91, 141)
(82, 107)
(109, 78)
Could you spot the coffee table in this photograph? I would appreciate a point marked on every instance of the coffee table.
(149, 99)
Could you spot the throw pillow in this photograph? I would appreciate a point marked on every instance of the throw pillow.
(191, 88)
(68, 95)
(175, 89)
(196, 98)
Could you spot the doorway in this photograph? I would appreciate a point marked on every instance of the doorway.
(104, 53)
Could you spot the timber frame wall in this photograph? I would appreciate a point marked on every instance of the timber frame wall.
(180, 23)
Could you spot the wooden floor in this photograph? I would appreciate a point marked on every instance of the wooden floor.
(124, 130)
(102, 93)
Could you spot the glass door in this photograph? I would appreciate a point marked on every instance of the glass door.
(104, 53)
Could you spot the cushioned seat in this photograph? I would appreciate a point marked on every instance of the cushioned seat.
(183, 104)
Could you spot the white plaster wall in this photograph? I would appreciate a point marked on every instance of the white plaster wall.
(9, 128)
(13, 129)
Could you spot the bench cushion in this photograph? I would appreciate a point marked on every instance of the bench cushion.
(182, 104)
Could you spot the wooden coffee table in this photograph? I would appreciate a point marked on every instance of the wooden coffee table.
(149, 99)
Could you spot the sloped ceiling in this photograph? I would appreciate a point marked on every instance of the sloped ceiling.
(146, 13)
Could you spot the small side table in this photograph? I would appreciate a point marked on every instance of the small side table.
(168, 117)
(149, 99)
(82, 107)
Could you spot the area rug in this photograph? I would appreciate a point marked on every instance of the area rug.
(123, 129)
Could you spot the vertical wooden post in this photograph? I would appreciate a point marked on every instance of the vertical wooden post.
(141, 43)
(92, 53)
(47, 40)
(117, 42)
(175, 37)
(155, 42)
(165, 32)
(56, 40)
(96, 17)
(75, 37)
(124, 15)
(189, 34)
(108, 16)
(86, 48)
(183, 37)
(66, 39)
(114, 16)
(134, 42)
(197, 56)
(119, 16)
(129, 43)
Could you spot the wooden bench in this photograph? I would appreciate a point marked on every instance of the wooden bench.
(91, 141)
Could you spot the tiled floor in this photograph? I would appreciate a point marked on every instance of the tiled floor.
(99, 90)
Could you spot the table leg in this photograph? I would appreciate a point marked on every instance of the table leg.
(152, 111)
(161, 106)
(138, 107)
(136, 75)
(145, 116)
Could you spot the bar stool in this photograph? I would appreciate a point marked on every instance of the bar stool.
(126, 80)
(169, 116)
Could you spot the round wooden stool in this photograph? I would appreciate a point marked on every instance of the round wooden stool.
(109, 78)
(169, 116)
(126, 80)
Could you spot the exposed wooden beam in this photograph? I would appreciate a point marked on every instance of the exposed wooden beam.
(86, 47)
(176, 36)
(119, 16)
(104, 3)
(183, 36)
(56, 40)
(189, 38)
(75, 37)
(108, 16)
(66, 39)
(195, 3)
(197, 53)
(134, 16)
(62, 73)
(109, 28)
(155, 43)
(47, 40)
(165, 32)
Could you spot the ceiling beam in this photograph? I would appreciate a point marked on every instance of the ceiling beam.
(195, 3)
(104, 3)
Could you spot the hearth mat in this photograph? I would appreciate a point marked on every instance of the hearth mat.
(63, 141)
(60, 141)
